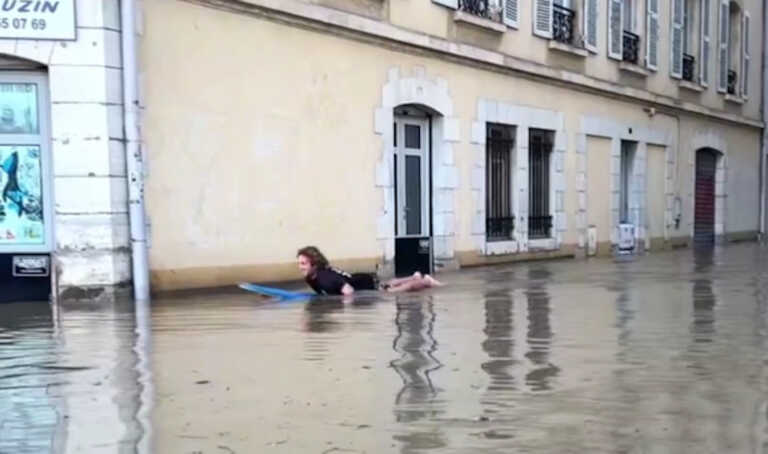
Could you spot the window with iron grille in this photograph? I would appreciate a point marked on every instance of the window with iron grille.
(500, 146)
(540, 145)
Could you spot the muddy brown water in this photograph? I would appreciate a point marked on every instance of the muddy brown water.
(663, 353)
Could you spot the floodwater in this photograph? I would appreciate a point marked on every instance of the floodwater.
(662, 353)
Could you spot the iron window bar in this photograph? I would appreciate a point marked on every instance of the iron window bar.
(562, 24)
(689, 65)
(631, 44)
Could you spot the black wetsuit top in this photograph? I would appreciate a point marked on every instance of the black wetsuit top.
(329, 281)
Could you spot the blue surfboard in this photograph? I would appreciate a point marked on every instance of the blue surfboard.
(281, 294)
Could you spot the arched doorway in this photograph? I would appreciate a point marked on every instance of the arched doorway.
(706, 196)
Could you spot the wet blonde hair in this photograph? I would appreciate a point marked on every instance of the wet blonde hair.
(315, 257)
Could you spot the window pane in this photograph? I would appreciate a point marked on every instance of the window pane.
(18, 109)
(413, 136)
(628, 16)
(21, 204)
(413, 195)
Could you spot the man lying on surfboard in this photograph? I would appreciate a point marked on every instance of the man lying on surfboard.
(326, 280)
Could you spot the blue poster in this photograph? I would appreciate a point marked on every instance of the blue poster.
(21, 195)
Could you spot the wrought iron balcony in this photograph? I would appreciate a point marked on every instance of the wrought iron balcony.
(689, 63)
(732, 78)
(499, 228)
(631, 43)
(562, 24)
(478, 8)
(539, 226)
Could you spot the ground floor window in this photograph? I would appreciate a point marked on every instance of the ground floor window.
(500, 146)
(540, 145)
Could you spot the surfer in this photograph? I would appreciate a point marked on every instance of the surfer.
(327, 280)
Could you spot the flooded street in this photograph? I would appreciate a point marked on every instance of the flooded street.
(663, 353)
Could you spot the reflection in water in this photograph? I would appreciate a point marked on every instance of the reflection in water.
(27, 374)
(662, 353)
(415, 321)
(416, 344)
(624, 312)
(319, 321)
(703, 326)
(78, 382)
(539, 331)
(499, 346)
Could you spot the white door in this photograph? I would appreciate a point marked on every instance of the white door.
(412, 176)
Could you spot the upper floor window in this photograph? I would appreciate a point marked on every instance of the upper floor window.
(624, 36)
(733, 53)
(505, 11)
(572, 22)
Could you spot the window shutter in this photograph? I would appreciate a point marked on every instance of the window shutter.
(449, 3)
(615, 35)
(511, 13)
(652, 44)
(542, 18)
(722, 60)
(706, 44)
(745, 57)
(591, 9)
(678, 19)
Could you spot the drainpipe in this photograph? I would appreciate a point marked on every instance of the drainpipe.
(764, 150)
(133, 156)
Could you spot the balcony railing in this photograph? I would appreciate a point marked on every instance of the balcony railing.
(732, 78)
(631, 43)
(689, 63)
(562, 24)
(476, 7)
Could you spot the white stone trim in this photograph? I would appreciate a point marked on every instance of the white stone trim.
(543, 244)
(91, 244)
(712, 139)
(418, 89)
(523, 118)
(644, 136)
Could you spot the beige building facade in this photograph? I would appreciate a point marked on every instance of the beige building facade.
(484, 131)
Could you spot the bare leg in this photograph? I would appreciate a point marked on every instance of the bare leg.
(432, 281)
(411, 285)
(402, 280)
(414, 283)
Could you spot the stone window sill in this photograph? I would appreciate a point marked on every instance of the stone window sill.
(460, 16)
(568, 49)
(691, 86)
(501, 247)
(734, 99)
(634, 69)
(543, 244)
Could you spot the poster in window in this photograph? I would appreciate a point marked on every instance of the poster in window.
(21, 196)
(18, 109)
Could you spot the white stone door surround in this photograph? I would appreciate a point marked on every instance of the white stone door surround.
(712, 139)
(430, 94)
